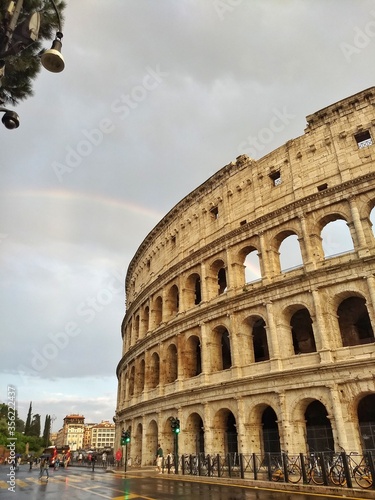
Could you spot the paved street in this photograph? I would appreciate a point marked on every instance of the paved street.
(83, 484)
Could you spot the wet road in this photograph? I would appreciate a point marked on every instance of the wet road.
(83, 484)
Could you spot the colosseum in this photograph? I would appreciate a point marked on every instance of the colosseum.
(241, 321)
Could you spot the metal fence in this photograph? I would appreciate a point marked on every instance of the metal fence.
(326, 469)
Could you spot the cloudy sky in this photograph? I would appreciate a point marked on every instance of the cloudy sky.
(156, 96)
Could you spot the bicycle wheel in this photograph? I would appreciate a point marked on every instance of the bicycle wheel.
(362, 476)
(294, 474)
(337, 475)
(317, 476)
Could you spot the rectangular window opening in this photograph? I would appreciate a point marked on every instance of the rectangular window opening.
(243, 222)
(276, 178)
(214, 212)
(322, 187)
(363, 139)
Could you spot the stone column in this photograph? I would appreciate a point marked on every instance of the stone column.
(321, 339)
(338, 420)
(273, 344)
(208, 427)
(359, 235)
(263, 258)
(307, 252)
(235, 271)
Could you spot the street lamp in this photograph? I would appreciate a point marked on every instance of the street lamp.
(18, 37)
(10, 119)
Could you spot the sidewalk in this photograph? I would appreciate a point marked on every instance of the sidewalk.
(354, 493)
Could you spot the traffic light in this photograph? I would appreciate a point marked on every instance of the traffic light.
(123, 433)
(175, 425)
(125, 437)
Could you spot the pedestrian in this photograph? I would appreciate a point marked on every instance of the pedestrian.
(159, 459)
(104, 459)
(31, 463)
(93, 460)
(118, 457)
(44, 466)
(57, 464)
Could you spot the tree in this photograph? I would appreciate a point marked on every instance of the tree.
(35, 426)
(28, 421)
(47, 429)
(22, 68)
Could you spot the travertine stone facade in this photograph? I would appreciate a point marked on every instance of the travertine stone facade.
(283, 362)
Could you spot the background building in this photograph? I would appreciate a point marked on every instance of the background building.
(72, 432)
(103, 436)
(242, 321)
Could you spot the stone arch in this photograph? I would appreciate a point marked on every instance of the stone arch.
(249, 258)
(354, 321)
(132, 381)
(366, 421)
(158, 311)
(140, 376)
(224, 432)
(172, 302)
(275, 244)
(171, 364)
(221, 356)
(150, 443)
(193, 435)
(219, 276)
(192, 357)
(154, 371)
(136, 446)
(319, 435)
(193, 291)
(270, 428)
(260, 341)
(302, 331)
(335, 242)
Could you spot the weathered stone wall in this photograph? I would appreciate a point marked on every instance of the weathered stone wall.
(202, 344)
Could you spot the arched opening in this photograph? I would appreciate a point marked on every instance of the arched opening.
(136, 448)
(194, 432)
(171, 365)
(354, 322)
(225, 350)
(336, 238)
(260, 344)
(302, 332)
(141, 376)
(366, 419)
(252, 265)
(158, 311)
(193, 293)
(193, 357)
(271, 438)
(222, 281)
(151, 444)
(225, 432)
(154, 370)
(131, 381)
(290, 253)
(172, 302)
(318, 428)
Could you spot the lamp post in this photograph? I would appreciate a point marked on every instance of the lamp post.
(17, 37)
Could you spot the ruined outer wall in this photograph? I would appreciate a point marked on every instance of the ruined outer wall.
(253, 205)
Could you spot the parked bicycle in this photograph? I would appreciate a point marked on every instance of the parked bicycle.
(293, 470)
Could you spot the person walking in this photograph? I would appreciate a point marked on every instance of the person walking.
(159, 459)
(44, 466)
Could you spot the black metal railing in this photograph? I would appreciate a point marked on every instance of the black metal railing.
(323, 468)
